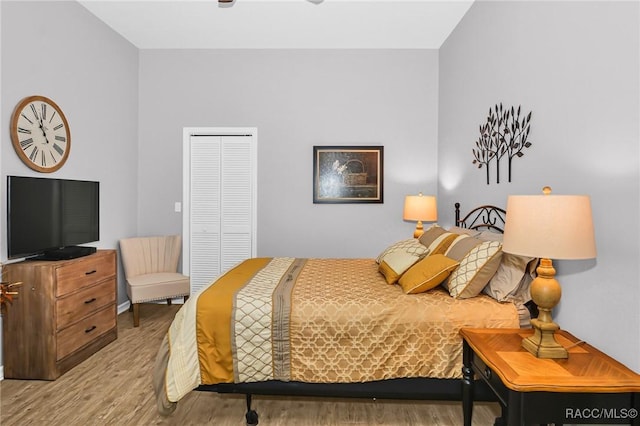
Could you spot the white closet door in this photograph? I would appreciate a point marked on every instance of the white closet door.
(220, 194)
(236, 221)
(205, 211)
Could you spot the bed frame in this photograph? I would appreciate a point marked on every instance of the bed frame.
(481, 218)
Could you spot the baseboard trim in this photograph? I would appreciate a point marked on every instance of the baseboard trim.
(124, 307)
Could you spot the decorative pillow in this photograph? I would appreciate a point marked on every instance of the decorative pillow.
(461, 246)
(464, 231)
(442, 243)
(513, 278)
(427, 273)
(411, 246)
(475, 270)
(431, 234)
(437, 239)
(394, 264)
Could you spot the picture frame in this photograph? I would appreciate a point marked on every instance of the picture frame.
(348, 174)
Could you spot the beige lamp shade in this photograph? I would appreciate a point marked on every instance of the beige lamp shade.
(549, 226)
(420, 207)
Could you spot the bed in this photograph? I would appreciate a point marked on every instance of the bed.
(368, 328)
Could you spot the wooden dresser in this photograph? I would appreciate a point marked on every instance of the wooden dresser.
(65, 312)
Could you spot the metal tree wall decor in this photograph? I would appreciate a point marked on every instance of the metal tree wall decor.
(504, 134)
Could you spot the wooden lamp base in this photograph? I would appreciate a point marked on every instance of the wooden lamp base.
(545, 292)
(542, 343)
(419, 230)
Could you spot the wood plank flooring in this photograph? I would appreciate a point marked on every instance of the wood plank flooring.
(113, 387)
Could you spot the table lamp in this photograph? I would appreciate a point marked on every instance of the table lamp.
(548, 227)
(420, 207)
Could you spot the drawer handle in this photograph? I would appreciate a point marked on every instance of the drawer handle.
(90, 329)
(93, 299)
(487, 373)
(91, 272)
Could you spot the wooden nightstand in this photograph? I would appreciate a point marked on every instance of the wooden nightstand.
(588, 387)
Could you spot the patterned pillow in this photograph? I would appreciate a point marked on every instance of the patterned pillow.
(394, 264)
(427, 273)
(475, 270)
(411, 246)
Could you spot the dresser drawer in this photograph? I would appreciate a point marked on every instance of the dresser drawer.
(80, 304)
(84, 272)
(86, 330)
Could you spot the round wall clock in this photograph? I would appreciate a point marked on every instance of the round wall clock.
(40, 134)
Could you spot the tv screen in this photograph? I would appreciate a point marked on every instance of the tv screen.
(50, 217)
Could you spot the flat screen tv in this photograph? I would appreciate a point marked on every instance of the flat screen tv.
(49, 218)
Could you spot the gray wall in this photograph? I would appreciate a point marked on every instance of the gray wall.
(92, 74)
(576, 66)
(296, 99)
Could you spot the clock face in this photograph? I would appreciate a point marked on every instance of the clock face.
(40, 134)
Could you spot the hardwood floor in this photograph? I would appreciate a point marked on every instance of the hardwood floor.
(113, 387)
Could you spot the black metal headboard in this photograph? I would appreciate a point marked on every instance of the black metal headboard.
(482, 218)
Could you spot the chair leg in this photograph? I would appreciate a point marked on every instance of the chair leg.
(168, 301)
(136, 314)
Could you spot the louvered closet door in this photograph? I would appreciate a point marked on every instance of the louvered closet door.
(235, 222)
(221, 205)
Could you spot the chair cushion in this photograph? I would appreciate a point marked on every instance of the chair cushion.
(157, 286)
(157, 278)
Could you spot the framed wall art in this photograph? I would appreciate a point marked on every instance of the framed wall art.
(347, 174)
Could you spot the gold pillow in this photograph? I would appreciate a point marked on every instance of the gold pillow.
(394, 264)
(475, 270)
(427, 273)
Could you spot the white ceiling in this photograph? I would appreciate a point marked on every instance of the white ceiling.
(263, 24)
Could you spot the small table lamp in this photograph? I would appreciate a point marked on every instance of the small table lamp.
(548, 226)
(420, 207)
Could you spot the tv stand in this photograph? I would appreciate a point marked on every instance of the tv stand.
(66, 253)
(65, 313)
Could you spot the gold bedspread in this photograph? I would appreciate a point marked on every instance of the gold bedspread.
(319, 320)
(354, 327)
